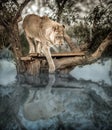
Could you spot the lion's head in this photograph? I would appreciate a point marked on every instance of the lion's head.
(57, 35)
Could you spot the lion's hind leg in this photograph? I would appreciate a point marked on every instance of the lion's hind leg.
(38, 46)
(31, 45)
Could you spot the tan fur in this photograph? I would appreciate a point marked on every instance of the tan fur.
(43, 33)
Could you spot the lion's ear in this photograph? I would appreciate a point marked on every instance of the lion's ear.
(44, 17)
(63, 26)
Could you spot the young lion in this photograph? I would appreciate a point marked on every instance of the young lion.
(45, 33)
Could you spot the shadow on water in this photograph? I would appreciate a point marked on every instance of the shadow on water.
(57, 102)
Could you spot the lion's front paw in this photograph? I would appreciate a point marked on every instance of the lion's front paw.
(51, 69)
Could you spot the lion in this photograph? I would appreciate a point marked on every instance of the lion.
(42, 33)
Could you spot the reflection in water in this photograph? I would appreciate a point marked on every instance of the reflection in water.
(56, 102)
(42, 104)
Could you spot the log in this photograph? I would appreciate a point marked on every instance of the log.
(26, 58)
(34, 56)
(65, 54)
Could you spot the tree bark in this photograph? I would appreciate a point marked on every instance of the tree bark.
(16, 46)
(18, 14)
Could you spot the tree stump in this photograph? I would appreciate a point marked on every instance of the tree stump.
(32, 66)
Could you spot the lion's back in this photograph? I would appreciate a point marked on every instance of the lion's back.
(41, 27)
(36, 25)
(31, 20)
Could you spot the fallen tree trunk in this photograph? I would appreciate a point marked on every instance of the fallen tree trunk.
(87, 59)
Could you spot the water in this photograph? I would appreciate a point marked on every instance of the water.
(97, 72)
(81, 100)
(7, 72)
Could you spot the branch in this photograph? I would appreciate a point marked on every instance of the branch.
(63, 3)
(58, 3)
(20, 10)
(103, 46)
(71, 44)
(15, 1)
